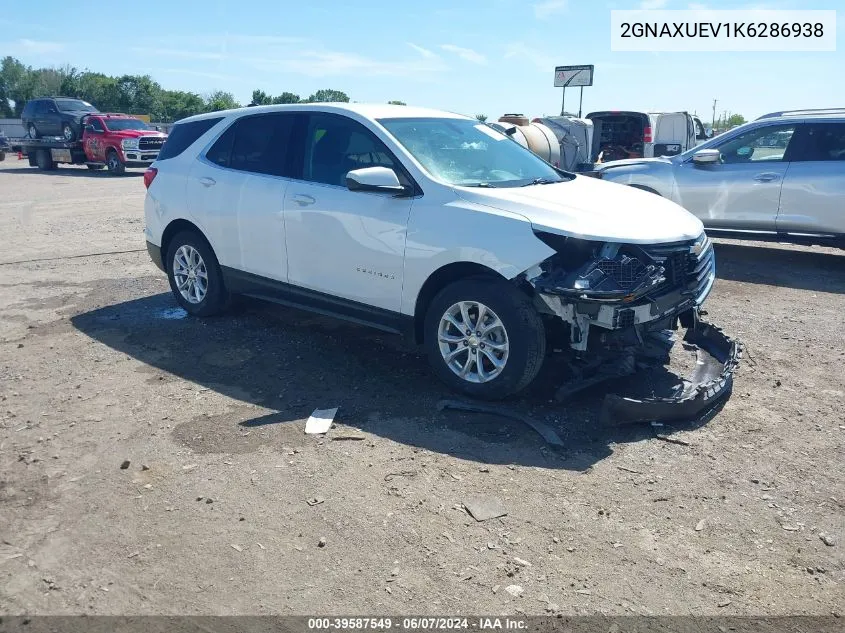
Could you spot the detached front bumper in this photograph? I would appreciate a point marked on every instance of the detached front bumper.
(717, 357)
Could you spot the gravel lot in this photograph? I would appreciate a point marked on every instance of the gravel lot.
(212, 514)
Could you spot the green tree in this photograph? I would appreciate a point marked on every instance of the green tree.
(328, 96)
(15, 85)
(481, 117)
(259, 97)
(139, 94)
(396, 103)
(177, 104)
(287, 97)
(735, 119)
(220, 100)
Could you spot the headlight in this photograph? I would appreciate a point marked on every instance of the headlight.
(597, 270)
(129, 143)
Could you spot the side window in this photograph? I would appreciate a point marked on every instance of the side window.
(822, 142)
(40, 107)
(96, 124)
(763, 144)
(183, 135)
(335, 145)
(49, 106)
(260, 143)
(220, 152)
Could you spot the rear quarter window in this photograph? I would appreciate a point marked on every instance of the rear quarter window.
(183, 135)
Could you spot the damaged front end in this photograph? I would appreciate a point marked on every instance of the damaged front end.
(616, 305)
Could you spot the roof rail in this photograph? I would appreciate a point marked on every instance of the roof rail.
(808, 112)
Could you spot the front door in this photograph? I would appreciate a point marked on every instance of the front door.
(92, 140)
(743, 190)
(347, 244)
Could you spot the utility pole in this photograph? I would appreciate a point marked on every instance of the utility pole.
(715, 101)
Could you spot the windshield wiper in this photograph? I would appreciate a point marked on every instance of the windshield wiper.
(480, 184)
(541, 181)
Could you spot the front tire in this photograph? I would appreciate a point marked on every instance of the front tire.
(194, 275)
(68, 133)
(31, 132)
(484, 338)
(113, 163)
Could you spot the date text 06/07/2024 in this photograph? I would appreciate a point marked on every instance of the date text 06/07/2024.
(416, 623)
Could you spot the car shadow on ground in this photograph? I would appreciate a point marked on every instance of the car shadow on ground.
(73, 172)
(809, 269)
(292, 362)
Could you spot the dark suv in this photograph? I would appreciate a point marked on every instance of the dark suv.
(55, 116)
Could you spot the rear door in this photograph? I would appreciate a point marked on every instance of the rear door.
(743, 191)
(813, 196)
(671, 133)
(238, 186)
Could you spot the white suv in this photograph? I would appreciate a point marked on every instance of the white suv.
(420, 222)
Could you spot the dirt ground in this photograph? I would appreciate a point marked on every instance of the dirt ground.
(212, 514)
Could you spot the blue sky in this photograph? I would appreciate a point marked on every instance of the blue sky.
(461, 55)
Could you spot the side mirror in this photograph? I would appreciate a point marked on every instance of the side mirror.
(89, 128)
(707, 157)
(378, 179)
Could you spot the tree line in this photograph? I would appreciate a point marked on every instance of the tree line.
(132, 94)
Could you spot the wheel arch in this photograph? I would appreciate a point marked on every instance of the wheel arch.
(174, 228)
(438, 280)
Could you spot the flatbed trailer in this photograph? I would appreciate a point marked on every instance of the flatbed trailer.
(48, 153)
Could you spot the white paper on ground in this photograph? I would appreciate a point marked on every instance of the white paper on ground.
(320, 421)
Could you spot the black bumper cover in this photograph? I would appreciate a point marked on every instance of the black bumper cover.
(711, 382)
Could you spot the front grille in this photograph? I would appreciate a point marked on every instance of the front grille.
(694, 273)
(150, 142)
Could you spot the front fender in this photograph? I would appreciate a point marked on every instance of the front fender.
(655, 176)
(443, 232)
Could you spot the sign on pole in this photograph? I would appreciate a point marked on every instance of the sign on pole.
(573, 76)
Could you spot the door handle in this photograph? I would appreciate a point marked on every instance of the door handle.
(767, 177)
(205, 181)
(302, 200)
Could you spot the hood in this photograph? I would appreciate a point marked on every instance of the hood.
(135, 133)
(591, 209)
(632, 161)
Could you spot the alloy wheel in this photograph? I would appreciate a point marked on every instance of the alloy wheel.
(190, 274)
(473, 341)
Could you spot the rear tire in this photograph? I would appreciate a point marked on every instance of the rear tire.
(510, 340)
(44, 160)
(195, 276)
(2, 156)
(113, 163)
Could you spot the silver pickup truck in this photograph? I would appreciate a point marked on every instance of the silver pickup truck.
(779, 178)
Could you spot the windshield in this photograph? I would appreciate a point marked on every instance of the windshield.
(125, 124)
(469, 153)
(74, 105)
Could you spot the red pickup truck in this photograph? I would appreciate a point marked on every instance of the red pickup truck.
(115, 141)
